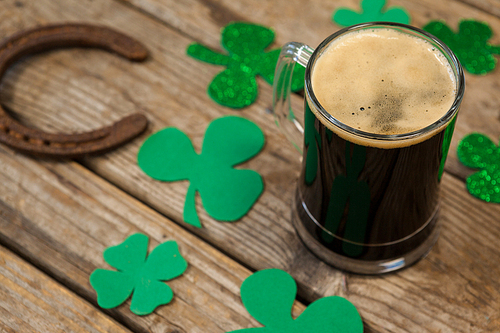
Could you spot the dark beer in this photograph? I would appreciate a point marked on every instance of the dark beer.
(368, 191)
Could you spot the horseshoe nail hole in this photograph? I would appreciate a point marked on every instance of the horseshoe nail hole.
(6, 130)
(35, 141)
(17, 135)
(26, 138)
(46, 143)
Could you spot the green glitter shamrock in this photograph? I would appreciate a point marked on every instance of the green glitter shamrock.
(227, 193)
(479, 152)
(371, 11)
(470, 44)
(268, 295)
(138, 273)
(236, 86)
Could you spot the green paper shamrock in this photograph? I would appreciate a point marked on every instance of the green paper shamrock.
(268, 295)
(371, 11)
(139, 274)
(236, 86)
(470, 44)
(227, 193)
(479, 152)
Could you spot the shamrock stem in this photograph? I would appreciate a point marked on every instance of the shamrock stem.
(190, 216)
(495, 49)
(201, 52)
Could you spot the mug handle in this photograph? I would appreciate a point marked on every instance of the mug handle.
(290, 122)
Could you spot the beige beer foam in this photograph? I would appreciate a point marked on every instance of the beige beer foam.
(383, 81)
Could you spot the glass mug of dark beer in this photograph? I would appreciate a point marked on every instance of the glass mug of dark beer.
(381, 100)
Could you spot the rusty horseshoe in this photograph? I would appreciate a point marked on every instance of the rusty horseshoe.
(37, 142)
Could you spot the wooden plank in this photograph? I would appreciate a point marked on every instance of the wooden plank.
(170, 87)
(30, 301)
(489, 6)
(62, 217)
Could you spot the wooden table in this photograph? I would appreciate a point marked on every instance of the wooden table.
(56, 218)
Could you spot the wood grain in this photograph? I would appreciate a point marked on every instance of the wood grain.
(62, 217)
(489, 6)
(30, 301)
(80, 90)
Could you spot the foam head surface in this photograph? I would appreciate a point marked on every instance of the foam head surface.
(383, 81)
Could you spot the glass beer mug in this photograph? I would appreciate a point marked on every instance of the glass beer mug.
(366, 202)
